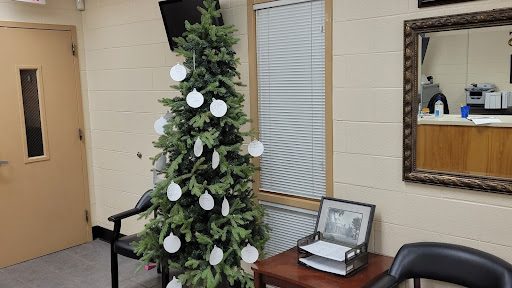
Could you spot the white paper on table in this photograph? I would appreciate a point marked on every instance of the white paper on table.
(325, 264)
(327, 250)
(484, 120)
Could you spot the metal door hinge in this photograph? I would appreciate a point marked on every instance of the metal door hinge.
(80, 134)
(87, 216)
(73, 49)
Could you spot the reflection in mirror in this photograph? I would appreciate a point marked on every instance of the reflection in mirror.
(465, 102)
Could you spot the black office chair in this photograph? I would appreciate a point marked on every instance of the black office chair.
(122, 245)
(450, 263)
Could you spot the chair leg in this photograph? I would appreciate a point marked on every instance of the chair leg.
(114, 270)
(417, 283)
(165, 274)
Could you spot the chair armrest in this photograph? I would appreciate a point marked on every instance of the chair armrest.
(125, 214)
(383, 281)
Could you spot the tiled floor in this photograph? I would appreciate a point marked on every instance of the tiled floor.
(84, 266)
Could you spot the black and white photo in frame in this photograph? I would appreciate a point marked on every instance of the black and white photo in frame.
(346, 222)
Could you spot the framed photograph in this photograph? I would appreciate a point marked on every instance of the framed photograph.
(428, 3)
(346, 222)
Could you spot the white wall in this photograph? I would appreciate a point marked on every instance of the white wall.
(128, 61)
(368, 53)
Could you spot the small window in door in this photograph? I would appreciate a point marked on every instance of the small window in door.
(35, 144)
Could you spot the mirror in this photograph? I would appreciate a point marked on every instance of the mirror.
(458, 101)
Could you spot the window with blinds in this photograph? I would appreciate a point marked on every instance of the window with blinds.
(287, 225)
(290, 40)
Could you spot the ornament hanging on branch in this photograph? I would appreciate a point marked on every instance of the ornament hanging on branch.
(215, 159)
(206, 201)
(216, 256)
(225, 207)
(159, 125)
(178, 72)
(218, 108)
(172, 243)
(198, 147)
(195, 99)
(250, 254)
(255, 148)
(173, 191)
(175, 283)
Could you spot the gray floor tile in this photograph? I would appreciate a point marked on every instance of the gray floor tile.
(84, 266)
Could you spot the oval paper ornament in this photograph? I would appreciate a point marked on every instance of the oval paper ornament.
(216, 256)
(195, 99)
(206, 201)
(178, 72)
(218, 108)
(173, 191)
(198, 147)
(250, 254)
(215, 159)
(175, 283)
(159, 125)
(172, 243)
(161, 162)
(225, 207)
(255, 148)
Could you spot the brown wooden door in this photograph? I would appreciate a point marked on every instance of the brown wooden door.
(43, 183)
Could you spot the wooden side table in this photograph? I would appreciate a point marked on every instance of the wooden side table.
(283, 270)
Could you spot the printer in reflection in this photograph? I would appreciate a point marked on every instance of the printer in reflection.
(475, 93)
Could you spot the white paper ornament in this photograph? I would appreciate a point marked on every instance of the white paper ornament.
(215, 159)
(195, 99)
(250, 254)
(206, 201)
(225, 207)
(256, 148)
(161, 162)
(178, 72)
(218, 108)
(216, 256)
(172, 243)
(198, 147)
(173, 191)
(175, 283)
(159, 125)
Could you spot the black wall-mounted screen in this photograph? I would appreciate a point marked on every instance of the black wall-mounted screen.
(174, 14)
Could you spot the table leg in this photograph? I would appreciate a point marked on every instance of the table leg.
(258, 281)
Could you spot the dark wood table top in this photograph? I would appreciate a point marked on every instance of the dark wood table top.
(284, 268)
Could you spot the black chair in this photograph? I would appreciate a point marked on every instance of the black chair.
(121, 244)
(450, 263)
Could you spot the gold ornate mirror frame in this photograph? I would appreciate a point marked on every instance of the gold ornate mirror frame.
(412, 30)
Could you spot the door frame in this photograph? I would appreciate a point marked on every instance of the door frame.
(80, 108)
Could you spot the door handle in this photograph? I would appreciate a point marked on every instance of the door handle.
(4, 162)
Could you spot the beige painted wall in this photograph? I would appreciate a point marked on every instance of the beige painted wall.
(128, 61)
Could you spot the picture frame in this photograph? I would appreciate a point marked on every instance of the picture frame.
(345, 222)
(429, 3)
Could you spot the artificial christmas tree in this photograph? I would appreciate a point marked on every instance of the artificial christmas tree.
(207, 218)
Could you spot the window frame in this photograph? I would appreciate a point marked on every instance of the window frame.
(42, 114)
(272, 197)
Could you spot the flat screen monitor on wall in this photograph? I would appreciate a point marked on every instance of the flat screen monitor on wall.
(174, 14)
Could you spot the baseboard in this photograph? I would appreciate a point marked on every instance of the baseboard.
(102, 233)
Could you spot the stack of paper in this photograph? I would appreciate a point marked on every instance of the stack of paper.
(482, 120)
(328, 257)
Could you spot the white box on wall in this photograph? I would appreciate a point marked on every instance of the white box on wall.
(33, 1)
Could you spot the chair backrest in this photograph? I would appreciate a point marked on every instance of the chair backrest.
(453, 264)
(144, 201)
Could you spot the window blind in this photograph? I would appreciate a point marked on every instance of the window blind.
(287, 225)
(291, 97)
